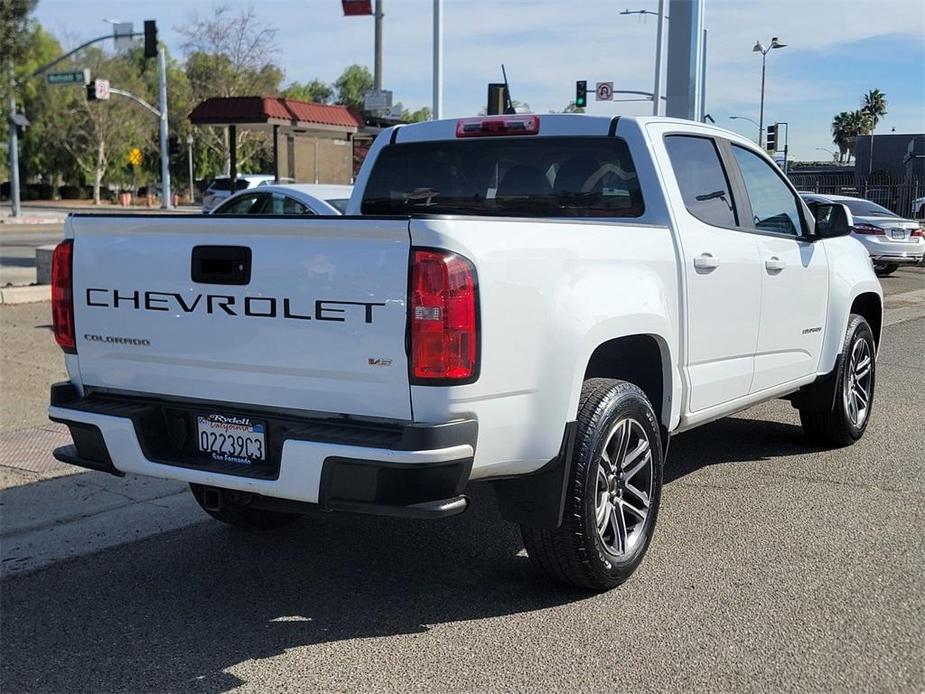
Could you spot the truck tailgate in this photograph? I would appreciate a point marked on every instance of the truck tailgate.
(305, 314)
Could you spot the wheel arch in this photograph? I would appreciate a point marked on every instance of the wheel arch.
(643, 359)
(870, 306)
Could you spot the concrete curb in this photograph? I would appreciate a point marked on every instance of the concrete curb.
(25, 295)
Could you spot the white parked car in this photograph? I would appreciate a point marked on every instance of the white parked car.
(890, 240)
(288, 198)
(220, 188)
(533, 302)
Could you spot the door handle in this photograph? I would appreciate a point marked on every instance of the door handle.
(774, 264)
(706, 261)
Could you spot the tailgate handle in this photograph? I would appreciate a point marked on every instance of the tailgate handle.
(221, 265)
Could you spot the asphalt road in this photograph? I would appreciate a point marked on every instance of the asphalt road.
(775, 567)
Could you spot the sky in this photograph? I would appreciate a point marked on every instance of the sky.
(836, 51)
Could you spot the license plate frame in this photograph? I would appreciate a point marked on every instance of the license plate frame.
(228, 438)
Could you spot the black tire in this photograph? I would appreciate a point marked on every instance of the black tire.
(885, 269)
(836, 425)
(577, 553)
(241, 516)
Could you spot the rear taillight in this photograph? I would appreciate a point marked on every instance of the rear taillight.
(443, 313)
(916, 233)
(62, 296)
(868, 229)
(497, 125)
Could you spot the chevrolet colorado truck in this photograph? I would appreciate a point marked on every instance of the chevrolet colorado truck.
(533, 302)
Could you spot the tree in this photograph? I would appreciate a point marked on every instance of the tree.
(230, 54)
(316, 91)
(874, 106)
(15, 27)
(840, 134)
(42, 152)
(572, 108)
(352, 85)
(846, 127)
(422, 114)
(98, 134)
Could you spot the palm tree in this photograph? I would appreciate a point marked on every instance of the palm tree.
(840, 134)
(874, 106)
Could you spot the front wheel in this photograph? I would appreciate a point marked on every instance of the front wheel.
(846, 420)
(613, 493)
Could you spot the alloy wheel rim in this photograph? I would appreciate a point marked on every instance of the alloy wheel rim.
(624, 487)
(857, 392)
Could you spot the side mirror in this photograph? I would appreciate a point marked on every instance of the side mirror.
(832, 220)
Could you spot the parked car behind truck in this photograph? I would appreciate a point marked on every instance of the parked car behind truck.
(890, 240)
(534, 302)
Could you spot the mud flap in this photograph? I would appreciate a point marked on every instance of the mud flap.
(537, 500)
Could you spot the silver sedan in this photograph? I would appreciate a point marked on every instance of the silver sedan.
(288, 199)
(891, 240)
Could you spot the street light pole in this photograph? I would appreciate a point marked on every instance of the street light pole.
(165, 152)
(750, 120)
(377, 66)
(14, 147)
(764, 55)
(659, 47)
(438, 60)
(189, 156)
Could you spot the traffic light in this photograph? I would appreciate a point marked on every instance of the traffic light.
(91, 92)
(770, 143)
(173, 145)
(150, 38)
(581, 93)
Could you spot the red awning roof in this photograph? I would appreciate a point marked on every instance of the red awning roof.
(257, 110)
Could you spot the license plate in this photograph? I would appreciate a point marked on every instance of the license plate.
(231, 439)
(899, 233)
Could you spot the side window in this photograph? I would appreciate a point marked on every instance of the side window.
(773, 203)
(283, 204)
(246, 204)
(702, 179)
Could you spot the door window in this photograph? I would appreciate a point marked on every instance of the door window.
(283, 204)
(702, 179)
(774, 205)
(246, 204)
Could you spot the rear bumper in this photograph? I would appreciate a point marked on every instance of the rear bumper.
(899, 259)
(376, 468)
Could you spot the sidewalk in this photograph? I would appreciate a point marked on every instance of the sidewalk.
(55, 211)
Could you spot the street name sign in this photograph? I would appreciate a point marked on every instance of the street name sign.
(72, 77)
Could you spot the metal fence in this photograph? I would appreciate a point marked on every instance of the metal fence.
(899, 197)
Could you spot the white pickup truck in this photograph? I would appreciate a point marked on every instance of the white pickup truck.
(536, 302)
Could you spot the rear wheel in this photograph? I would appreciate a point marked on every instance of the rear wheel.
(231, 507)
(846, 420)
(885, 269)
(613, 491)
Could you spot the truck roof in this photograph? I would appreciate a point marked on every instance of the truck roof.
(552, 124)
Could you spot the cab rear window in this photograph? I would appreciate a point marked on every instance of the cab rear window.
(516, 177)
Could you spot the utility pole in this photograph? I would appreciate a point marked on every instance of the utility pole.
(438, 59)
(165, 152)
(14, 147)
(377, 77)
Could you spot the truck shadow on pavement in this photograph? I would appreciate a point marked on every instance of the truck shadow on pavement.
(175, 611)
